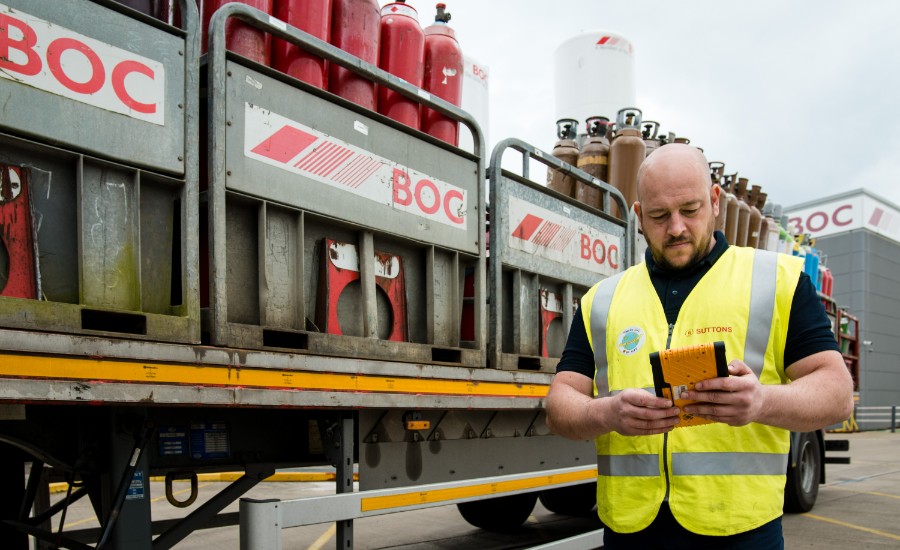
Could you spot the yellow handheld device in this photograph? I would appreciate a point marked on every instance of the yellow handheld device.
(677, 370)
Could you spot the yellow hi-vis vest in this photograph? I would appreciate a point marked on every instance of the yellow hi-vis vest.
(719, 480)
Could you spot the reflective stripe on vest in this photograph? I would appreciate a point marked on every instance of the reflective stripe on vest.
(599, 312)
(694, 464)
(762, 305)
(628, 465)
(716, 464)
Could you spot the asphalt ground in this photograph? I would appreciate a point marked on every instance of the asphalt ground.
(858, 508)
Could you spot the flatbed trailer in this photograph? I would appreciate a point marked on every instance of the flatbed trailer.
(192, 297)
(201, 301)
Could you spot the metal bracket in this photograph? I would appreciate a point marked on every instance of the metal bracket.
(253, 474)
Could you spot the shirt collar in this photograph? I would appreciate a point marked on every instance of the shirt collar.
(705, 263)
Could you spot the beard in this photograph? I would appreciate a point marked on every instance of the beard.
(701, 248)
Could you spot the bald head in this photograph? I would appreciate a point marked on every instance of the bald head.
(677, 205)
(675, 161)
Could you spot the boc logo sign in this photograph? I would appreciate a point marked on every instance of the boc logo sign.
(823, 221)
(52, 58)
(424, 197)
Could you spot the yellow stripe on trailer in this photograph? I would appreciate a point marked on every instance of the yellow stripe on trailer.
(113, 370)
(441, 495)
(277, 477)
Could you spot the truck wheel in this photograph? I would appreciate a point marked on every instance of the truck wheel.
(499, 514)
(802, 485)
(574, 500)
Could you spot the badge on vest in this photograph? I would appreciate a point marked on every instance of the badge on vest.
(630, 340)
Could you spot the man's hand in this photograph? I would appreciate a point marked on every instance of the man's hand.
(573, 412)
(736, 400)
(637, 412)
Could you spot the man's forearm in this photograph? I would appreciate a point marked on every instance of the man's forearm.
(813, 401)
(570, 415)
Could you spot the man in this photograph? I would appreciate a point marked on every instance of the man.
(718, 485)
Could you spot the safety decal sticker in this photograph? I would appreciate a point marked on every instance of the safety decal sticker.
(546, 234)
(294, 147)
(630, 340)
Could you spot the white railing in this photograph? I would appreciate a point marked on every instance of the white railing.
(876, 418)
(262, 520)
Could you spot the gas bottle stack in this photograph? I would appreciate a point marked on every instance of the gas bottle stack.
(747, 219)
(613, 153)
(389, 37)
(610, 153)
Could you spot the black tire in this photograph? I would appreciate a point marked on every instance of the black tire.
(802, 486)
(574, 500)
(501, 514)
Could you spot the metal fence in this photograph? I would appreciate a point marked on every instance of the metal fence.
(876, 418)
(872, 418)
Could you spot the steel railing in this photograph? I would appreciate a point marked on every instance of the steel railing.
(876, 418)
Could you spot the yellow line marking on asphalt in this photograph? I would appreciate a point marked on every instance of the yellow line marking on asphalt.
(79, 522)
(157, 499)
(323, 539)
(876, 493)
(852, 526)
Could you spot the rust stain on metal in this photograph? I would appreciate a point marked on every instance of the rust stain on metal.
(387, 263)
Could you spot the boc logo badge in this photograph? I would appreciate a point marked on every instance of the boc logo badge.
(630, 340)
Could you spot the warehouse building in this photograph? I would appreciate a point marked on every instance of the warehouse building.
(858, 236)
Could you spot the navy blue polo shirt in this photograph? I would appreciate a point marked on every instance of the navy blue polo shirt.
(809, 329)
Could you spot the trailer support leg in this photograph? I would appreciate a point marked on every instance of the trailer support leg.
(344, 477)
(130, 529)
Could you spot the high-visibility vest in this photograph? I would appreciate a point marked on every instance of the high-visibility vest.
(719, 480)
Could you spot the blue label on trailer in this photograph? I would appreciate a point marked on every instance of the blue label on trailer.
(209, 440)
(136, 489)
(173, 441)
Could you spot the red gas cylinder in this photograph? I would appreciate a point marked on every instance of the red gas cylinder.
(354, 29)
(402, 44)
(240, 37)
(827, 281)
(443, 76)
(313, 17)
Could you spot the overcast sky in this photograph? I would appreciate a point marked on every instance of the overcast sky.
(800, 96)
